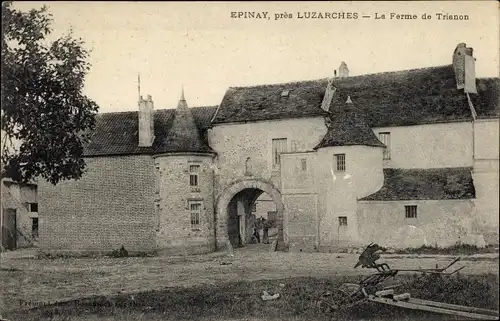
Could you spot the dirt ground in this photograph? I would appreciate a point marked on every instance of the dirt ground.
(28, 282)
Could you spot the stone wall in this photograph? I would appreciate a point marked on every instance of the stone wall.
(430, 146)
(110, 206)
(438, 223)
(175, 233)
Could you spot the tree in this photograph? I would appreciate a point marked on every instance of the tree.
(43, 105)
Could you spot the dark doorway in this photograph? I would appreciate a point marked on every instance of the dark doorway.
(244, 221)
(9, 230)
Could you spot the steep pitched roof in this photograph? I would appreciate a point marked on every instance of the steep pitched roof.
(117, 133)
(286, 100)
(349, 127)
(487, 100)
(425, 184)
(183, 134)
(408, 97)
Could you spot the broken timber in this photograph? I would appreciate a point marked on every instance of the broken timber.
(405, 301)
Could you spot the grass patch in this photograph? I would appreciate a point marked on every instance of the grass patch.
(457, 249)
(242, 299)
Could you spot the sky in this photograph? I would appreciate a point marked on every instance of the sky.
(200, 47)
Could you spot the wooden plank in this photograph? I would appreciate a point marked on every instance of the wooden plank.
(408, 305)
(403, 296)
(453, 306)
(384, 292)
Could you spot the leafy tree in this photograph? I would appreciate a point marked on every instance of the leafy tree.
(43, 106)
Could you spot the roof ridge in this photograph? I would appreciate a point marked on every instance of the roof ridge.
(350, 77)
(396, 71)
(281, 83)
(135, 111)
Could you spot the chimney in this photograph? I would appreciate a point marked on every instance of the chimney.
(464, 67)
(146, 122)
(343, 70)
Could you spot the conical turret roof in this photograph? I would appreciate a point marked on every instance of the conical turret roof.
(184, 135)
(349, 127)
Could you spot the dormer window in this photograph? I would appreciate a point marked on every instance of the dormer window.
(285, 93)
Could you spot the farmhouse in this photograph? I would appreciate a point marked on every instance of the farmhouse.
(18, 215)
(402, 158)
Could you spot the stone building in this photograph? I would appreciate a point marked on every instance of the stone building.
(19, 215)
(401, 158)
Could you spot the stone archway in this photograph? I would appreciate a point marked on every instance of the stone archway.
(227, 195)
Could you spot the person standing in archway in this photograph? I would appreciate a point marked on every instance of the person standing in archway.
(256, 234)
(265, 228)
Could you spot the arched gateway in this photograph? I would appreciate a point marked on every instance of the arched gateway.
(235, 202)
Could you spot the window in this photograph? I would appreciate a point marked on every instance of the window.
(304, 164)
(193, 174)
(195, 209)
(385, 138)
(340, 162)
(157, 180)
(279, 146)
(248, 167)
(342, 220)
(411, 211)
(33, 207)
(34, 227)
(157, 217)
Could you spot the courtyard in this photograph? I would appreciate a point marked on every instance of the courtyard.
(28, 282)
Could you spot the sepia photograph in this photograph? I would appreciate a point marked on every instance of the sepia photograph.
(250, 161)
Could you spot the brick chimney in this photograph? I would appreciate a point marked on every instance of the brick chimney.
(146, 122)
(343, 70)
(464, 67)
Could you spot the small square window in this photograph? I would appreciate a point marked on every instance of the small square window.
(340, 162)
(33, 207)
(342, 220)
(411, 211)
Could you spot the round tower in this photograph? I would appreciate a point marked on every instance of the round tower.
(184, 203)
(350, 159)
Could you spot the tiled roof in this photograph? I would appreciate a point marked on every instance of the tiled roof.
(183, 134)
(487, 100)
(425, 184)
(349, 127)
(408, 97)
(117, 133)
(287, 100)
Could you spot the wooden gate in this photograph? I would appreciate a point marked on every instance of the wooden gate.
(9, 229)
